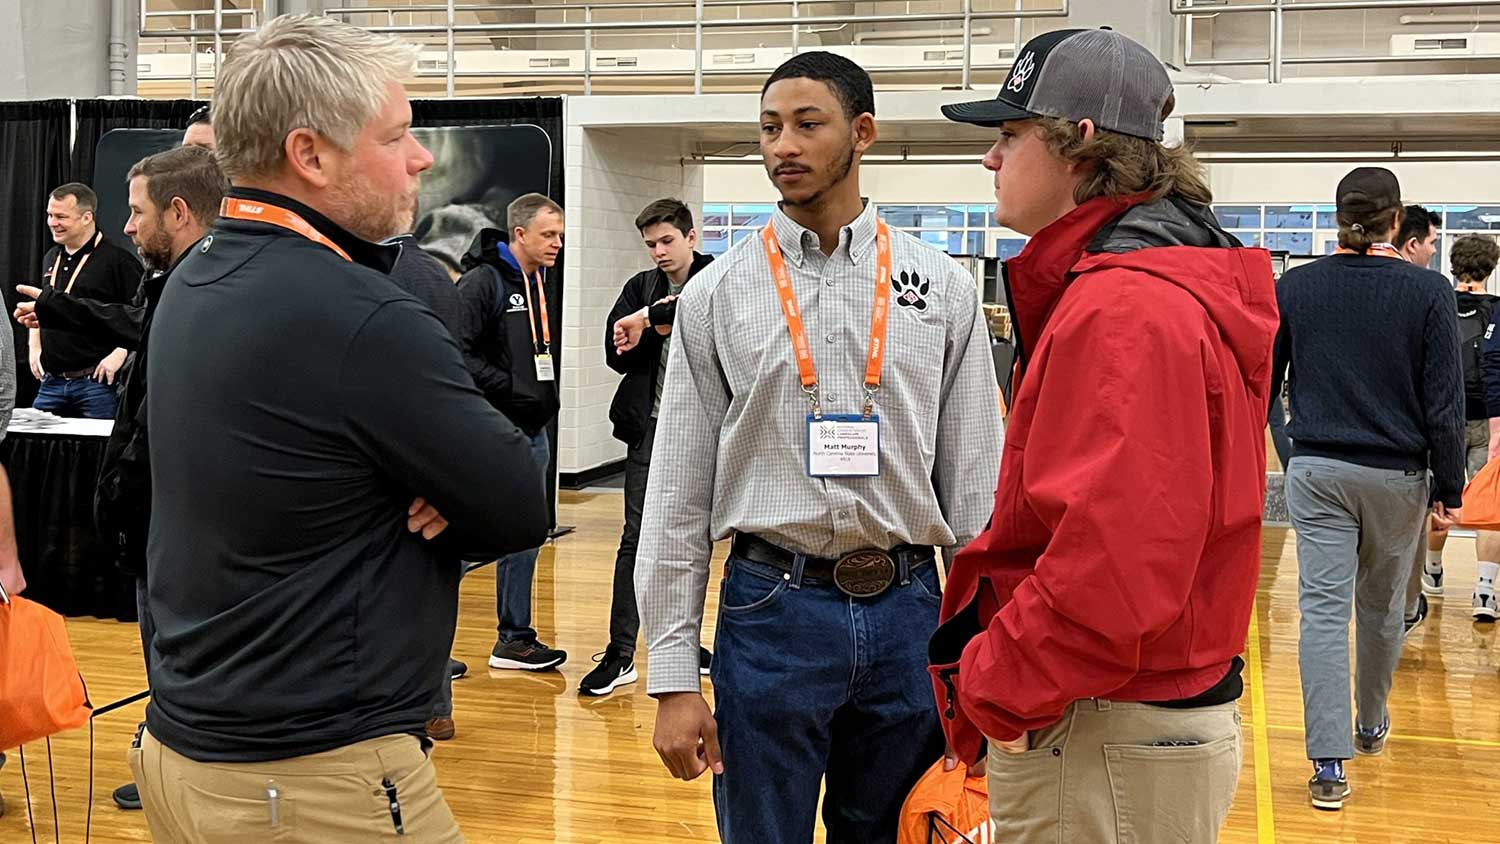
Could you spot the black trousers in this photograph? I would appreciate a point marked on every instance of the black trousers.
(624, 617)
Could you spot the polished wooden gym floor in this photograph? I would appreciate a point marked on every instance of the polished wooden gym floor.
(534, 763)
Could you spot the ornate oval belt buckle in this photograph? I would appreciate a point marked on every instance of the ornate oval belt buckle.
(864, 574)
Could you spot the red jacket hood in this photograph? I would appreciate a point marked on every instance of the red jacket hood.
(1223, 280)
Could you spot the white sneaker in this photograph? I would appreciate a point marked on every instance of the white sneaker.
(1432, 582)
(1484, 607)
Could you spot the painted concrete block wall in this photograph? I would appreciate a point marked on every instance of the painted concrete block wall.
(611, 175)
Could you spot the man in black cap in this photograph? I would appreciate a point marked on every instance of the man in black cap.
(1092, 633)
(1364, 439)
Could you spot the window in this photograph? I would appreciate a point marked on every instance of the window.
(1297, 243)
(1238, 216)
(1247, 238)
(923, 216)
(755, 216)
(1473, 217)
(1289, 216)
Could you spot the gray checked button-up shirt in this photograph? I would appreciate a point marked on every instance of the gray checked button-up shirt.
(731, 439)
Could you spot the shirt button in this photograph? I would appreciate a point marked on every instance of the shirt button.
(832, 339)
(829, 282)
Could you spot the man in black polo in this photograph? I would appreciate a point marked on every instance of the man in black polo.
(77, 369)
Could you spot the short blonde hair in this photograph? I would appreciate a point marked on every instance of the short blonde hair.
(301, 72)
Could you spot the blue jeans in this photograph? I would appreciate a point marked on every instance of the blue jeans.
(75, 397)
(514, 573)
(811, 683)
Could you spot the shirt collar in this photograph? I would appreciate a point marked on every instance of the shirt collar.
(88, 246)
(373, 255)
(796, 241)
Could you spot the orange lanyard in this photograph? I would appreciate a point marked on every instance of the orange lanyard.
(1384, 249)
(261, 212)
(56, 264)
(541, 295)
(878, 318)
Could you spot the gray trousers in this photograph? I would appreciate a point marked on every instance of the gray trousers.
(1357, 529)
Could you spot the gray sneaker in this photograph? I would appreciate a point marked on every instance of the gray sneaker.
(1371, 741)
(1328, 789)
(526, 656)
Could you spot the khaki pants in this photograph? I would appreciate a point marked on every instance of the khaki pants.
(326, 798)
(1097, 776)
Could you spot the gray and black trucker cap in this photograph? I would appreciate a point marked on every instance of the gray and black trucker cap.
(1078, 74)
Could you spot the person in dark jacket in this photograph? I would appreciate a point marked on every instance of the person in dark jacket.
(637, 339)
(506, 336)
(422, 275)
(174, 199)
(1473, 258)
(1107, 603)
(1363, 442)
(300, 564)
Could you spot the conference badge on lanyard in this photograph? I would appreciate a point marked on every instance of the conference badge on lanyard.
(838, 445)
(543, 352)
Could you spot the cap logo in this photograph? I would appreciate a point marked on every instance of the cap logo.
(1023, 70)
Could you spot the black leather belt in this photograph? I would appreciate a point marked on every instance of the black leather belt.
(860, 574)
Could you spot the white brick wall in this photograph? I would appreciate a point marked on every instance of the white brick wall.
(611, 175)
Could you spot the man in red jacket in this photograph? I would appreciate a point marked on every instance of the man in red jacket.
(1092, 632)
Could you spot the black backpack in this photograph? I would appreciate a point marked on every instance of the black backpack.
(1476, 311)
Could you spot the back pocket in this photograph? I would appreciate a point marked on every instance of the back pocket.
(1165, 795)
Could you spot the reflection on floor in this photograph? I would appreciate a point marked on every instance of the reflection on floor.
(533, 762)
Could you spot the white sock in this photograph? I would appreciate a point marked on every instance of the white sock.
(1488, 572)
(1434, 561)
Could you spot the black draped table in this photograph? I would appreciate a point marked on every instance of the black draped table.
(53, 465)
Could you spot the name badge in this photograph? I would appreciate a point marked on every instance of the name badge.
(544, 368)
(843, 446)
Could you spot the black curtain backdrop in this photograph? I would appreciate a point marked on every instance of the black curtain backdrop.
(34, 145)
(547, 113)
(96, 117)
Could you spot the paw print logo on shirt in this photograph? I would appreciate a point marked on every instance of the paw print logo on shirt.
(911, 290)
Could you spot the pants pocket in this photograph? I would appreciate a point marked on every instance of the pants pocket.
(236, 819)
(409, 789)
(1026, 795)
(1172, 794)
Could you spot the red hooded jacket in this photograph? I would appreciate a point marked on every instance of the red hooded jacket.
(1122, 557)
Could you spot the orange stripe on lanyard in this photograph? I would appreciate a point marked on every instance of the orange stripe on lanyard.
(541, 295)
(262, 212)
(879, 317)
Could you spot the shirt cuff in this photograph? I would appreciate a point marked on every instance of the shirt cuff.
(673, 669)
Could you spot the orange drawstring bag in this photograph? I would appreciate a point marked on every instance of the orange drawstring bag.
(1482, 499)
(947, 807)
(41, 691)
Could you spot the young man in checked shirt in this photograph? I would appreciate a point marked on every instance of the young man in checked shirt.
(836, 468)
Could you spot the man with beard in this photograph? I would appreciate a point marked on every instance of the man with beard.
(303, 601)
(174, 199)
(830, 403)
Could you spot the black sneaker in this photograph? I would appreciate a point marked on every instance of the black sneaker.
(457, 670)
(705, 661)
(615, 670)
(1328, 788)
(128, 797)
(526, 656)
(1415, 621)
